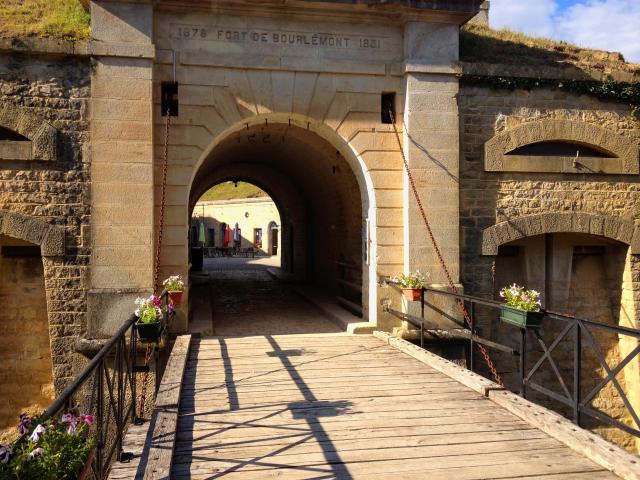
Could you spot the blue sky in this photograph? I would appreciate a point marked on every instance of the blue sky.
(612, 25)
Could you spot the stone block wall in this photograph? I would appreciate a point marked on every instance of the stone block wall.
(529, 203)
(54, 90)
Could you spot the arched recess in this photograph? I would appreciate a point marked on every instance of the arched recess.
(621, 152)
(279, 125)
(27, 341)
(607, 226)
(42, 137)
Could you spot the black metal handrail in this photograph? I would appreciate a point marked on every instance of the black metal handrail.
(571, 394)
(106, 389)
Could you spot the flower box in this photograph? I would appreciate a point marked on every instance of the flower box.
(149, 332)
(412, 294)
(520, 318)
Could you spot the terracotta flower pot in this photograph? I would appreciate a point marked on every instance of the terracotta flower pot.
(176, 297)
(412, 294)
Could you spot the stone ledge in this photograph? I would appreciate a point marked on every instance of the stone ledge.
(607, 226)
(586, 443)
(559, 72)
(44, 46)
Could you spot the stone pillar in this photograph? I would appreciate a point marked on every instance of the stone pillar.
(122, 225)
(431, 145)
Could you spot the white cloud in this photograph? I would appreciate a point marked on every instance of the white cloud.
(521, 16)
(603, 24)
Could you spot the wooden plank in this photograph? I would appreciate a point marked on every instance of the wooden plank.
(250, 411)
(165, 415)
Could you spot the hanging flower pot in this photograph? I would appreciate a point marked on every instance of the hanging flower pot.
(412, 294)
(149, 332)
(520, 318)
(176, 297)
(522, 307)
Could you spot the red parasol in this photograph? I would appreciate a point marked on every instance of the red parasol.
(227, 236)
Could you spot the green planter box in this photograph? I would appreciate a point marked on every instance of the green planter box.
(149, 332)
(520, 318)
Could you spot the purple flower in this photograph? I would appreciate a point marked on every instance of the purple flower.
(24, 423)
(5, 454)
(36, 453)
(37, 433)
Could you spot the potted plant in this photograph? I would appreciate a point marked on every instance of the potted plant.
(521, 307)
(175, 286)
(411, 284)
(59, 448)
(149, 313)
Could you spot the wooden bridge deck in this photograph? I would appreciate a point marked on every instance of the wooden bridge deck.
(340, 406)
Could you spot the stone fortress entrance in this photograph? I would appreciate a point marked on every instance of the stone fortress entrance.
(314, 188)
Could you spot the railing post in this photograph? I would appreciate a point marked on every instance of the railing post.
(133, 364)
(523, 363)
(120, 348)
(577, 372)
(100, 414)
(422, 318)
(472, 326)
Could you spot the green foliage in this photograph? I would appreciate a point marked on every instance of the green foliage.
(63, 455)
(411, 280)
(619, 92)
(228, 191)
(44, 18)
(518, 297)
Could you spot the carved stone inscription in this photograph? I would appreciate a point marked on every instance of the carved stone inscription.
(277, 37)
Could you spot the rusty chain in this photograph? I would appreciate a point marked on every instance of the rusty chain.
(481, 348)
(156, 270)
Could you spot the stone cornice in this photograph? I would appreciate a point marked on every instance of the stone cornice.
(44, 46)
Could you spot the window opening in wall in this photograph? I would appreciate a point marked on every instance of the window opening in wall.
(589, 250)
(169, 99)
(257, 237)
(388, 107)
(10, 135)
(509, 250)
(20, 251)
(560, 149)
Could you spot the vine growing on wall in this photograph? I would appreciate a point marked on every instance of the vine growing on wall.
(620, 92)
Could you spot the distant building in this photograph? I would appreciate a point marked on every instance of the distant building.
(257, 218)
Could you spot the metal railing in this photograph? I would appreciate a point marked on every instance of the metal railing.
(106, 389)
(574, 392)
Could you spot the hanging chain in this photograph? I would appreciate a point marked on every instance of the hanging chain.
(445, 269)
(156, 271)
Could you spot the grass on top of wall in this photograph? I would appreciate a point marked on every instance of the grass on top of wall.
(68, 19)
(479, 43)
(228, 191)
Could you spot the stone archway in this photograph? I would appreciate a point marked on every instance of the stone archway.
(326, 184)
(607, 226)
(25, 344)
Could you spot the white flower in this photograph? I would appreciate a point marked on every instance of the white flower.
(37, 433)
(67, 417)
(5, 454)
(36, 453)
